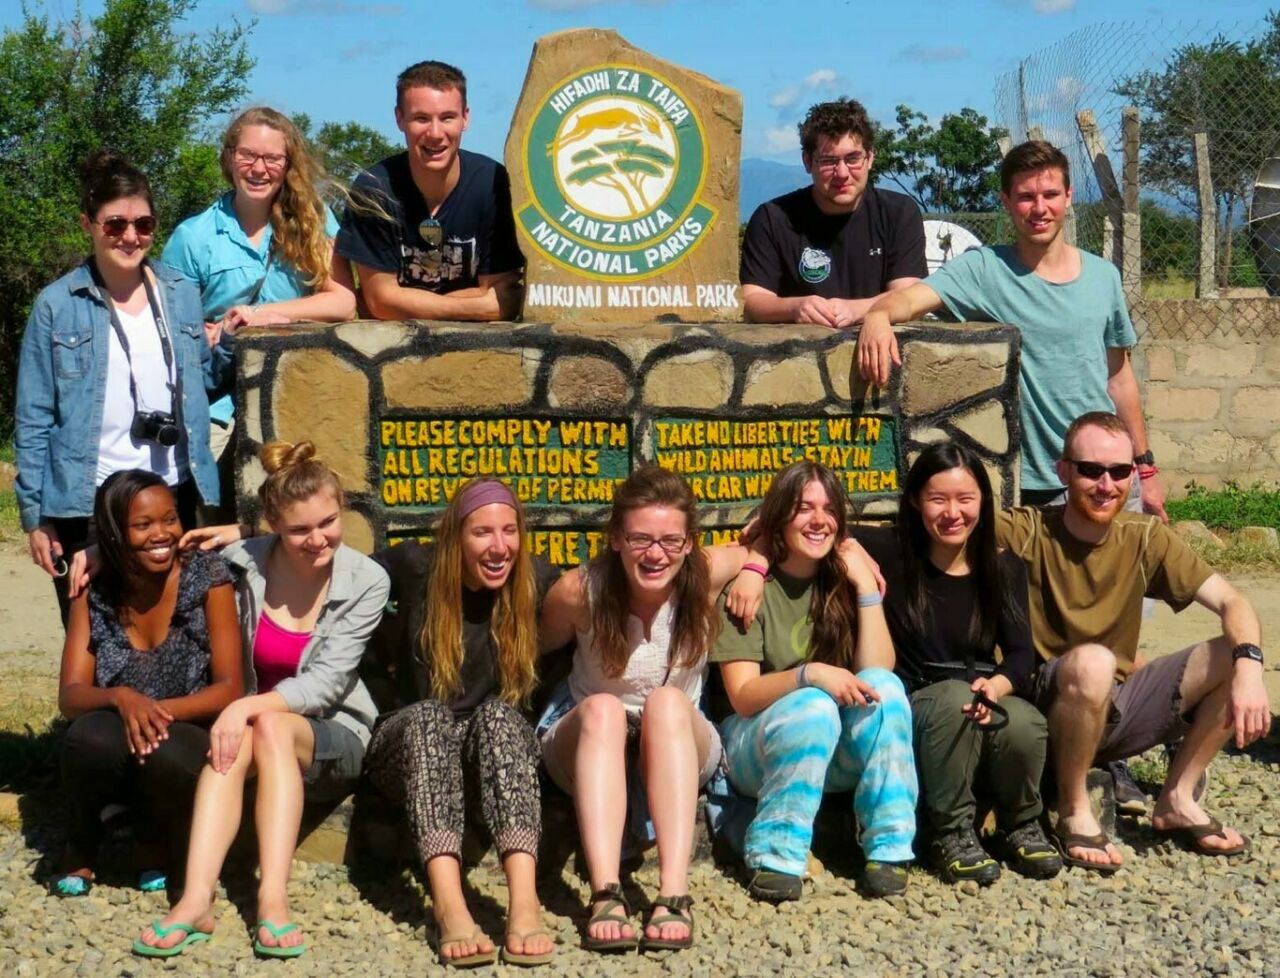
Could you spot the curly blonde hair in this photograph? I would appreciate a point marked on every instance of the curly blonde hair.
(298, 213)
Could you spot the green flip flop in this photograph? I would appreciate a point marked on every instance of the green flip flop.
(275, 950)
(193, 937)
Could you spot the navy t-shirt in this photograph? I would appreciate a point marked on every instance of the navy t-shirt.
(793, 249)
(471, 234)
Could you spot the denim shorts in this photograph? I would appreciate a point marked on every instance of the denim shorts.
(335, 764)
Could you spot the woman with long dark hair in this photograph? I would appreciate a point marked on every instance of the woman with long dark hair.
(114, 374)
(953, 598)
(644, 619)
(455, 662)
(152, 656)
(815, 704)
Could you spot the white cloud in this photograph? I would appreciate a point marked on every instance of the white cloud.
(921, 54)
(784, 98)
(821, 78)
(1053, 6)
(781, 139)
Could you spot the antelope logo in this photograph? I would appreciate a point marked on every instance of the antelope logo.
(620, 120)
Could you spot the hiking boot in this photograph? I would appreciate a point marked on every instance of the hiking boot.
(1130, 799)
(1030, 853)
(959, 856)
(774, 887)
(884, 879)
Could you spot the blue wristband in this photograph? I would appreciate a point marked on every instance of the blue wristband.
(869, 600)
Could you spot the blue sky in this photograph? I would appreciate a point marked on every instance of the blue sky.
(337, 59)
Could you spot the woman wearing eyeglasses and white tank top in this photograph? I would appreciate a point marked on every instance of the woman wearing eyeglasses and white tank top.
(644, 618)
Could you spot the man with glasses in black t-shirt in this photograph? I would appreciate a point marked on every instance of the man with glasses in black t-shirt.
(825, 253)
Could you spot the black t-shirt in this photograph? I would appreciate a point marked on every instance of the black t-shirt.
(393, 669)
(472, 233)
(950, 601)
(792, 248)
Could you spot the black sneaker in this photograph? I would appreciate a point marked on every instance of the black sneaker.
(1030, 853)
(884, 879)
(1130, 799)
(774, 887)
(959, 856)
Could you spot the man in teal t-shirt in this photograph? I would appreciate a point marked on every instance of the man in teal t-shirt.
(1068, 306)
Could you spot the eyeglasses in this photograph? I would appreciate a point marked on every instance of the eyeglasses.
(640, 542)
(272, 161)
(829, 164)
(1094, 470)
(115, 227)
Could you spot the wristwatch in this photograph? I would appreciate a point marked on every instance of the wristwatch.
(1146, 458)
(1247, 650)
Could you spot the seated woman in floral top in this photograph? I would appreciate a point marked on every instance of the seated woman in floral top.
(152, 656)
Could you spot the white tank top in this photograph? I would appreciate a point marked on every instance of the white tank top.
(646, 668)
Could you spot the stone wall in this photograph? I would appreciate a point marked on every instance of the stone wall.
(1210, 375)
(402, 410)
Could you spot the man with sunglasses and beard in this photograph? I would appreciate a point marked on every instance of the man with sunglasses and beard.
(1089, 566)
(430, 230)
(1068, 306)
(825, 253)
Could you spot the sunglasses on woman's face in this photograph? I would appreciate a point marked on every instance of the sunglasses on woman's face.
(115, 227)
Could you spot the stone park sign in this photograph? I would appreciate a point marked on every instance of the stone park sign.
(405, 413)
(624, 182)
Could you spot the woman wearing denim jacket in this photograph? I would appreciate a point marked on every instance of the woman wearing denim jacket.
(113, 374)
(308, 605)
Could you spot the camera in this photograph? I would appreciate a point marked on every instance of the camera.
(158, 426)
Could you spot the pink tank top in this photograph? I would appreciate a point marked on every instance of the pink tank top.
(276, 653)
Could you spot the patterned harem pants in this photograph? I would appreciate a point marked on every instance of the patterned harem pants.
(423, 758)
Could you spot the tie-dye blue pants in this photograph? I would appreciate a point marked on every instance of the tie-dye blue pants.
(788, 754)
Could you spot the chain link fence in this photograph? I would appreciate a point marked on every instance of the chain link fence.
(1218, 81)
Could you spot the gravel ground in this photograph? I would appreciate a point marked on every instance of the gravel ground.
(1166, 913)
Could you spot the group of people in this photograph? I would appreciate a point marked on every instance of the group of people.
(930, 670)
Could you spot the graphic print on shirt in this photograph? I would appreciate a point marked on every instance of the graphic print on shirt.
(437, 262)
(815, 265)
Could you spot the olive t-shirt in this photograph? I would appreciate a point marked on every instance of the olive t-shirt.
(1083, 592)
(779, 637)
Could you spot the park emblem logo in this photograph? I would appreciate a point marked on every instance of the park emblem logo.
(815, 265)
(615, 161)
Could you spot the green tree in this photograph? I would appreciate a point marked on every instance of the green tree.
(129, 79)
(1231, 92)
(950, 167)
(347, 148)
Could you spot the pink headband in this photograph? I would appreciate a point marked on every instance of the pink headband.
(483, 493)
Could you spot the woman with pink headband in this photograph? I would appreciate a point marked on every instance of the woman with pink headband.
(456, 658)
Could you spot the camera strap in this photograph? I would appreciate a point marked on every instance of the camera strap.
(166, 347)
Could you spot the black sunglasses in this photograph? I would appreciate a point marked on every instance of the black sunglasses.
(1094, 470)
(115, 227)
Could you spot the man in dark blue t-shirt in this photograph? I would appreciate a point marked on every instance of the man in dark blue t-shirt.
(824, 253)
(430, 230)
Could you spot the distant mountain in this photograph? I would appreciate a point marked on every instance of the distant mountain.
(764, 179)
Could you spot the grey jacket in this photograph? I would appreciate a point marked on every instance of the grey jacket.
(326, 684)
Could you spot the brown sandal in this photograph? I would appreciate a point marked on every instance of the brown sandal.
(1077, 840)
(1190, 837)
(681, 908)
(520, 957)
(613, 898)
(479, 959)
